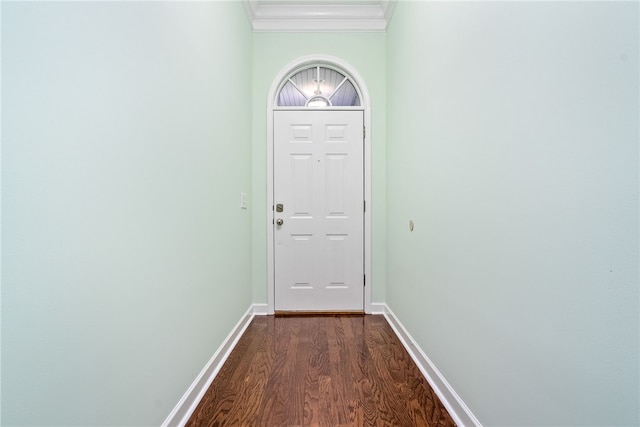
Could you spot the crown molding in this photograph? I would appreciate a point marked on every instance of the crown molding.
(314, 16)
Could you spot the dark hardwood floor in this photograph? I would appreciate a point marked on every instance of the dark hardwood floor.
(347, 370)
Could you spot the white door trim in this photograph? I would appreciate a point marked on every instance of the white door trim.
(366, 104)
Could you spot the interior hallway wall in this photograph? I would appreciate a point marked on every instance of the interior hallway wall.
(512, 144)
(126, 141)
(365, 52)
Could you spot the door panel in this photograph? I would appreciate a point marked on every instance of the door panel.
(319, 180)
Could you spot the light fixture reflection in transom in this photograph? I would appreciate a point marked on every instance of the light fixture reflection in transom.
(318, 87)
(318, 101)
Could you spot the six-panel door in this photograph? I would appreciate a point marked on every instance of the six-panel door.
(319, 185)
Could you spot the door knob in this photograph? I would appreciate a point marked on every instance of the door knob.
(279, 221)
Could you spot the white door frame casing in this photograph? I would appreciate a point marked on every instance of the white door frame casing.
(366, 105)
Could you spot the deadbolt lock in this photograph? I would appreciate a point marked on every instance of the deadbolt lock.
(279, 207)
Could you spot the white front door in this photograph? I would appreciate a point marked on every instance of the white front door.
(318, 210)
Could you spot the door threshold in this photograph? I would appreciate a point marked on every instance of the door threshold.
(290, 313)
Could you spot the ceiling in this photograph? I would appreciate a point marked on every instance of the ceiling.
(319, 15)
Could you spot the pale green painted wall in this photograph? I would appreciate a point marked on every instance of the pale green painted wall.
(126, 141)
(271, 53)
(513, 144)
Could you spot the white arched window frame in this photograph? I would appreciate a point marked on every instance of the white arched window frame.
(279, 81)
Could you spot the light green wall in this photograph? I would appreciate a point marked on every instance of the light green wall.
(365, 52)
(513, 144)
(126, 141)
(507, 132)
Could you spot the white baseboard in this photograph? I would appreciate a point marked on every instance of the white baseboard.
(260, 309)
(185, 407)
(378, 308)
(460, 413)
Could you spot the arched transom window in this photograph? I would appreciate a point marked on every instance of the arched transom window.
(316, 87)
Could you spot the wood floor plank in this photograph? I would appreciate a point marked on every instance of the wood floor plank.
(275, 406)
(330, 370)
